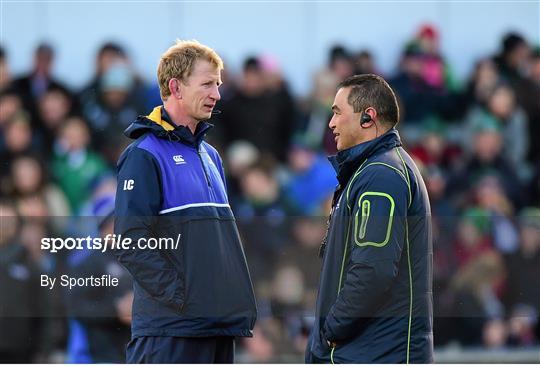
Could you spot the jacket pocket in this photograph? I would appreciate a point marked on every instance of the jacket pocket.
(174, 254)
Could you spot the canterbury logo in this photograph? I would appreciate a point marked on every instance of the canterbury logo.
(178, 159)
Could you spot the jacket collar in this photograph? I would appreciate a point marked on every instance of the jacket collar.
(182, 134)
(347, 161)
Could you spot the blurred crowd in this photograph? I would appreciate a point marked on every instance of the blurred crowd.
(473, 140)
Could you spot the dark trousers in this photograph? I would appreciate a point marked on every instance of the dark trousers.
(180, 350)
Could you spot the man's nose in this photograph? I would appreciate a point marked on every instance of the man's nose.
(331, 124)
(215, 94)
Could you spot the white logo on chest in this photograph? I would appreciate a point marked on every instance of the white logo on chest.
(178, 159)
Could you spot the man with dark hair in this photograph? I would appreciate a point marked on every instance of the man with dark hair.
(374, 303)
(108, 55)
(32, 86)
(258, 114)
(513, 57)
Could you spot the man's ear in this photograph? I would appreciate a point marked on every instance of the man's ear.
(174, 88)
(372, 112)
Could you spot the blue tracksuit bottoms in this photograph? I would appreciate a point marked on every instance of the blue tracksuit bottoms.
(180, 350)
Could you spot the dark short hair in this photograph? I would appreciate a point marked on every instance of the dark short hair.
(113, 48)
(252, 63)
(338, 52)
(511, 41)
(45, 49)
(370, 90)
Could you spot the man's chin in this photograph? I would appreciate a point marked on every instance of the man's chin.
(205, 116)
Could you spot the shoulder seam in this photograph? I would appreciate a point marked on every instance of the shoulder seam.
(153, 158)
(407, 173)
(362, 168)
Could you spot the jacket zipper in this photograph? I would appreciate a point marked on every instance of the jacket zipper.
(204, 169)
(365, 216)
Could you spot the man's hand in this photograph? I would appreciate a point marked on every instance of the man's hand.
(123, 308)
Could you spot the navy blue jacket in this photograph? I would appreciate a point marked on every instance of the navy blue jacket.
(170, 183)
(375, 298)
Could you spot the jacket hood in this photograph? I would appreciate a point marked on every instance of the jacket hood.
(160, 124)
(347, 161)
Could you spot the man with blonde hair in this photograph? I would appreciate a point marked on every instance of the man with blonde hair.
(193, 298)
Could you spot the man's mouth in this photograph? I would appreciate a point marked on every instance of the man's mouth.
(336, 135)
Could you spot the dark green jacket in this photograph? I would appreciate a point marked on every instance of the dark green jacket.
(375, 297)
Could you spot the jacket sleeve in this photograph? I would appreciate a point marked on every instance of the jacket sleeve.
(138, 200)
(376, 239)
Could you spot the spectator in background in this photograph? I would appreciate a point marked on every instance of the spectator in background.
(501, 109)
(38, 224)
(490, 196)
(311, 181)
(523, 283)
(33, 85)
(495, 334)
(258, 114)
(418, 100)
(17, 139)
(434, 149)
(527, 95)
(521, 326)
(20, 294)
(477, 307)
(108, 55)
(340, 63)
(534, 67)
(306, 233)
(513, 58)
(486, 158)
(240, 156)
(316, 112)
(112, 110)
(473, 237)
(100, 317)
(75, 165)
(443, 218)
(482, 83)
(262, 218)
(287, 301)
(435, 71)
(5, 74)
(54, 107)
(10, 104)
(260, 348)
(364, 63)
(29, 178)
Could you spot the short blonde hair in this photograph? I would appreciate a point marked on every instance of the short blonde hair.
(179, 60)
